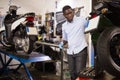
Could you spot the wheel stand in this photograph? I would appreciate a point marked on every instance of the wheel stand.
(22, 58)
(92, 72)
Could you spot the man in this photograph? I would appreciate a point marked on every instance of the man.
(73, 35)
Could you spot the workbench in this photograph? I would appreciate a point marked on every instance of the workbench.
(56, 46)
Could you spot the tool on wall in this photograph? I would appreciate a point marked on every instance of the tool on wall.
(9, 2)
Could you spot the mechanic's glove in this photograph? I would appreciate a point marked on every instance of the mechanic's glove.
(60, 45)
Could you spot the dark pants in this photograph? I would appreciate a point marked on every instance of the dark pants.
(77, 62)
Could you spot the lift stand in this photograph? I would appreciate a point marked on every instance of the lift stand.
(22, 58)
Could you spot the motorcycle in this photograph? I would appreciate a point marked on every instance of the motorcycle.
(107, 42)
(15, 30)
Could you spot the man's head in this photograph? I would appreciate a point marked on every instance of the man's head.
(68, 13)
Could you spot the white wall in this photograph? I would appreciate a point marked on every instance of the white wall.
(44, 6)
(37, 6)
(74, 4)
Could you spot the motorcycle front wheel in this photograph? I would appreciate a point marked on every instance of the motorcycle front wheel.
(23, 44)
(108, 50)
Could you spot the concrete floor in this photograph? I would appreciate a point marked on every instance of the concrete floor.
(37, 75)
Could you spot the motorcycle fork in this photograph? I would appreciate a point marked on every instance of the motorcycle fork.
(23, 32)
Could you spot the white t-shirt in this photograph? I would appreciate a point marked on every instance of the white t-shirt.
(74, 33)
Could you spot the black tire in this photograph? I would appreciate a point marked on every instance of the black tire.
(108, 54)
(30, 46)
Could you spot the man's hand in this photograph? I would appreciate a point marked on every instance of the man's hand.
(61, 45)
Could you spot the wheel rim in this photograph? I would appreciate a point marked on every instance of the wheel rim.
(115, 49)
(22, 43)
(26, 44)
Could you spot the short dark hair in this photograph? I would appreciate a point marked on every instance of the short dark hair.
(65, 8)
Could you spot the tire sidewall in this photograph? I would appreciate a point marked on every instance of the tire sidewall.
(103, 50)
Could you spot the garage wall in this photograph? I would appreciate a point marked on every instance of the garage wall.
(37, 6)
(43, 6)
(74, 4)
